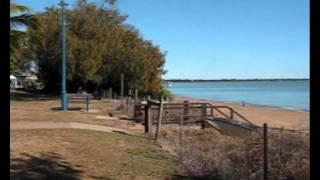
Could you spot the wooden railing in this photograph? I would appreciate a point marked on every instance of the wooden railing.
(214, 111)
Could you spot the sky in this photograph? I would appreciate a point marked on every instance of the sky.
(221, 39)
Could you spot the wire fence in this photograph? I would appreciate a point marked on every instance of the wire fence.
(207, 153)
(282, 154)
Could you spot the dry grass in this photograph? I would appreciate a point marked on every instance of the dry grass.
(203, 154)
(208, 154)
(82, 154)
(40, 110)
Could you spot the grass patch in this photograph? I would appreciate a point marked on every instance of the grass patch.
(91, 155)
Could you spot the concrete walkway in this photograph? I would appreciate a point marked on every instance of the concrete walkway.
(64, 125)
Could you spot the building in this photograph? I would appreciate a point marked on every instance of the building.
(26, 79)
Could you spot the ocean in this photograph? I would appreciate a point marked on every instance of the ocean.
(291, 94)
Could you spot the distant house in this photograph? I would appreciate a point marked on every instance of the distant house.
(26, 79)
(13, 82)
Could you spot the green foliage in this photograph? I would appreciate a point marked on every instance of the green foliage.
(100, 46)
(166, 93)
(19, 17)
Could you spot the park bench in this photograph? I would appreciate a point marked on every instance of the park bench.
(80, 98)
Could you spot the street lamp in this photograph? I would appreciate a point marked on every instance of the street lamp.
(64, 101)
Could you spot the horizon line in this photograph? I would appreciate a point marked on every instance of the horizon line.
(185, 79)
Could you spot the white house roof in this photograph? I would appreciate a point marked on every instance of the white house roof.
(32, 77)
(12, 77)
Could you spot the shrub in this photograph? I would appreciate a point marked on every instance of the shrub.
(207, 153)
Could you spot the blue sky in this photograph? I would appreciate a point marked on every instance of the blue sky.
(215, 39)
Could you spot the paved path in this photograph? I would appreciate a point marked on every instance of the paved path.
(64, 125)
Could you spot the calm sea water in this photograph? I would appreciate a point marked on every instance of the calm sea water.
(285, 93)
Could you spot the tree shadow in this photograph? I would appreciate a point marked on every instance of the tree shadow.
(46, 166)
(183, 177)
(30, 96)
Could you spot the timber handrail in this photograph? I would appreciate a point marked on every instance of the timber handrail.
(194, 105)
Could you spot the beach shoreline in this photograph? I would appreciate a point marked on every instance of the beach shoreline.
(259, 114)
(246, 103)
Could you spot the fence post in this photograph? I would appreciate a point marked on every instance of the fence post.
(186, 110)
(211, 111)
(265, 151)
(159, 118)
(110, 93)
(148, 117)
(203, 114)
(280, 153)
(121, 89)
(122, 84)
(135, 103)
(128, 103)
(87, 103)
(231, 113)
(181, 137)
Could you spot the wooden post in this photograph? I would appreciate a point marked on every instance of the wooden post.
(121, 90)
(130, 92)
(148, 117)
(122, 84)
(185, 110)
(203, 114)
(211, 111)
(110, 93)
(104, 94)
(159, 118)
(181, 130)
(128, 103)
(231, 113)
(87, 103)
(280, 153)
(265, 151)
(135, 103)
(181, 137)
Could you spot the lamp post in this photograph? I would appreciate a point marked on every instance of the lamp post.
(64, 101)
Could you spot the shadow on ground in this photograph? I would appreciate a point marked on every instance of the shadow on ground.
(45, 166)
(181, 177)
(30, 96)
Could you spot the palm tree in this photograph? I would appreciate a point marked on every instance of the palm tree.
(19, 17)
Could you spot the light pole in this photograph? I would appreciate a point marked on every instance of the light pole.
(64, 101)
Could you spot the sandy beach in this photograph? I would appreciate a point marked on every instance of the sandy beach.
(275, 117)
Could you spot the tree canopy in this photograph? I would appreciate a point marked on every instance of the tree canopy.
(19, 17)
(100, 46)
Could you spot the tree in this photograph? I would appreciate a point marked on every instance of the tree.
(19, 17)
(100, 46)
